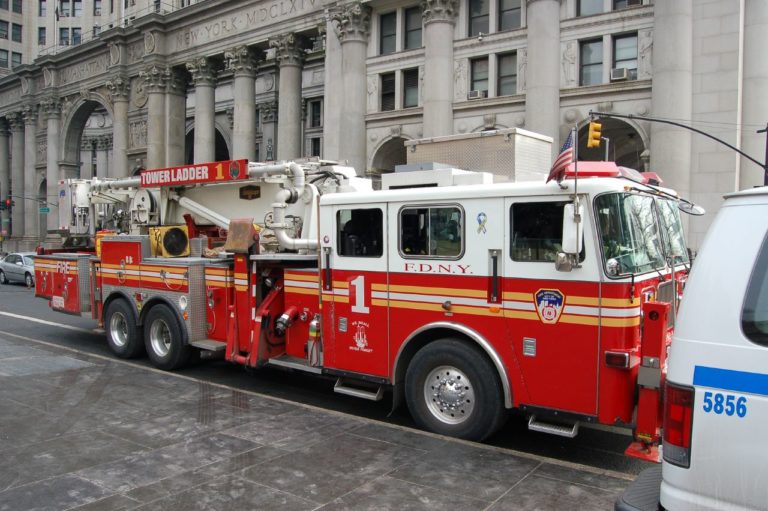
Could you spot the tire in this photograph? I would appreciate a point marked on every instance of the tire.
(3, 278)
(123, 336)
(452, 389)
(28, 280)
(164, 339)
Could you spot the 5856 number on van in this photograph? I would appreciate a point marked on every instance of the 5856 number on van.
(718, 403)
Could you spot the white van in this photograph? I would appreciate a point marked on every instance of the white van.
(715, 441)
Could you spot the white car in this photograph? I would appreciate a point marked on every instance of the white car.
(715, 450)
(18, 267)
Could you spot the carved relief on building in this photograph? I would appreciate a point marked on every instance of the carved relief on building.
(42, 151)
(114, 53)
(138, 92)
(460, 79)
(49, 77)
(150, 44)
(288, 49)
(568, 77)
(137, 134)
(202, 71)
(15, 121)
(135, 52)
(118, 88)
(373, 93)
(30, 114)
(268, 111)
(440, 10)
(155, 78)
(645, 54)
(352, 21)
(51, 107)
(522, 68)
(240, 60)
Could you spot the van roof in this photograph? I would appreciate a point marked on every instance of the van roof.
(758, 190)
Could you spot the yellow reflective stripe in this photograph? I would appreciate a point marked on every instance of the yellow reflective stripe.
(596, 302)
(341, 284)
(301, 276)
(523, 297)
(301, 290)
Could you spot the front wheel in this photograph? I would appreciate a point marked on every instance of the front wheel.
(3, 278)
(123, 336)
(28, 280)
(164, 340)
(451, 388)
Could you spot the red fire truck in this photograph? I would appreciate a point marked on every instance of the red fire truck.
(465, 300)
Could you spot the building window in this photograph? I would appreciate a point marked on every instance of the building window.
(3, 29)
(509, 15)
(623, 4)
(96, 30)
(507, 80)
(111, 6)
(16, 33)
(17, 6)
(42, 7)
(41, 36)
(412, 28)
(4, 58)
(77, 7)
(316, 113)
(388, 35)
(625, 54)
(4, 5)
(387, 92)
(588, 7)
(15, 59)
(77, 35)
(479, 70)
(64, 12)
(314, 146)
(410, 88)
(478, 17)
(97, 7)
(591, 62)
(63, 37)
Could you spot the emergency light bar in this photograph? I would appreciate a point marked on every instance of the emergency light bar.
(610, 169)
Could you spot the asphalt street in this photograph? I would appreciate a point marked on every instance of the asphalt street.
(24, 317)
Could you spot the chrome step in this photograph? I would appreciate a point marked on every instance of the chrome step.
(342, 388)
(566, 430)
(300, 364)
(209, 345)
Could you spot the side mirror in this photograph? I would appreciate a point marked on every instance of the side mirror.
(563, 262)
(19, 263)
(573, 229)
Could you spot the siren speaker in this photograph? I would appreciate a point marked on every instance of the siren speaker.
(169, 241)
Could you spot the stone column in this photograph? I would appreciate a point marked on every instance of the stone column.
(52, 110)
(439, 20)
(86, 150)
(118, 91)
(242, 62)
(352, 28)
(176, 126)
(672, 93)
(102, 145)
(31, 213)
(290, 56)
(268, 130)
(155, 78)
(332, 100)
(16, 120)
(755, 85)
(5, 175)
(542, 80)
(204, 79)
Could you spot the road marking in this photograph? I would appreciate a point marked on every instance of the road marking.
(502, 450)
(44, 322)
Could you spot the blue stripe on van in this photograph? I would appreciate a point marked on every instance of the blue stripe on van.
(735, 381)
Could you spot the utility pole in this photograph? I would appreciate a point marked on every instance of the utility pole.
(765, 164)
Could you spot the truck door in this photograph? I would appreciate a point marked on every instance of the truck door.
(355, 330)
(552, 317)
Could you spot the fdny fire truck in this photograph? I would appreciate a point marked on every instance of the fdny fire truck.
(463, 297)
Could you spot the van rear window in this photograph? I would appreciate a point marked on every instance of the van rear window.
(754, 313)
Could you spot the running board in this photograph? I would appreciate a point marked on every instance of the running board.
(566, 430)
(371, 395)
(209, 345)
(299, 364)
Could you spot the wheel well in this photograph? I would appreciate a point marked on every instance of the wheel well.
(417, 342)
(116, 296)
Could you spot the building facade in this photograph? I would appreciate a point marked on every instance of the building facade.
(106, 87)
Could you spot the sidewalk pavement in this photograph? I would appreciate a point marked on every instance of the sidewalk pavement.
(83, 432)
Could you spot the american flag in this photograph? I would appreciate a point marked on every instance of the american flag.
(563, 159)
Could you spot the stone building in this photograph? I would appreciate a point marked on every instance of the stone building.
(114, 85)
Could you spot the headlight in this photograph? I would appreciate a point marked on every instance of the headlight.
(183, 303)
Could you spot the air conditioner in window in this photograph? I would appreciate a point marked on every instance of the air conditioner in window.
(619, 74)
(477, 94)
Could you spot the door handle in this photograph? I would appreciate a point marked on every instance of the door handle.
(327, 284)
(494, 295)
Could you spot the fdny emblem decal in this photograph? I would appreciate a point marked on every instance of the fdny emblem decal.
(361, 337)
(549, 305)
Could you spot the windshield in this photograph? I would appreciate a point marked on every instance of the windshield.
(629, 232)
(674, 242)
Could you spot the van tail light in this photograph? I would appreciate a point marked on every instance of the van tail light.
(678, 423)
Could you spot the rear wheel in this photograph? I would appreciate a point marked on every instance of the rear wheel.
(163, 336)
(123, 336)
(452, 389)
(3, 278)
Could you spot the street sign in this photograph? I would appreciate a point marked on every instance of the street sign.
(45, 211)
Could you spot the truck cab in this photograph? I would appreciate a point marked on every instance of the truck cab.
(716, 400)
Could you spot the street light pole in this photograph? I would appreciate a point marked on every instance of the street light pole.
(765, 162)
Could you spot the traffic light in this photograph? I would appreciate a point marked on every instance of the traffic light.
(593, 137)
(8, 203)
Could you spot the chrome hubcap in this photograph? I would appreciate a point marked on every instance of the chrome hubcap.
(160, 337)
(449, 395)
(118, 329)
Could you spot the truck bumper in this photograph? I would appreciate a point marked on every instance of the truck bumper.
(643, 493)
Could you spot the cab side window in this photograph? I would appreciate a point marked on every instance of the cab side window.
(432, 232)
(754, 313)
(537, 231)
(359, 232)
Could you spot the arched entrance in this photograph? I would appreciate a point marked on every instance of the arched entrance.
(91, 121)
(626, 144)
(221, 150)
(390, 153)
